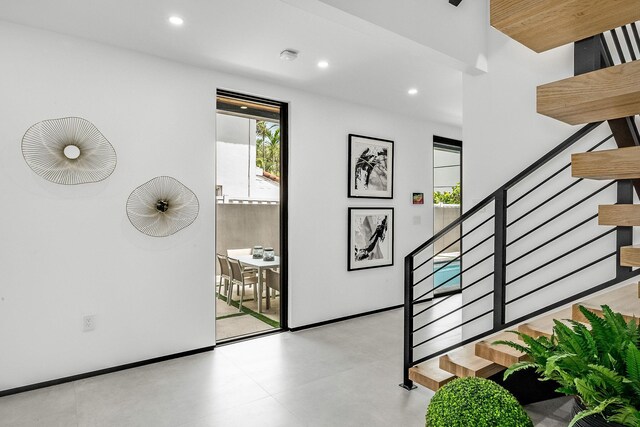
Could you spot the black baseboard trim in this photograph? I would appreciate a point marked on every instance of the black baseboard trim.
(341, 319)
(77, 377)
(248, 337)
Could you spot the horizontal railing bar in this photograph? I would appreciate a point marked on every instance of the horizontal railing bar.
(444, 299)
(553, 218)
(606, 52)
(453, 277)
(567, 188)
(453, 311)
(522, 175)
(463, 289)
(616, 43)
(453, 225)
(625, 32)
(634, 29)
(561, 278)
(549, 178)
(529, 316)
(456, 241)
(454, 259)
(592, 217)
(453, 328)
(572, 298)
(569, 252)
(551, 154)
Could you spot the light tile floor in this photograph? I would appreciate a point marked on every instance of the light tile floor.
(343, 374)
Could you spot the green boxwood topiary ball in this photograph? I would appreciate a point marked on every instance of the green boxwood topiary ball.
(475, 402)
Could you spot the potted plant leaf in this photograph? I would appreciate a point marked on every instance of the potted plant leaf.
(599, 364)
(476, 400)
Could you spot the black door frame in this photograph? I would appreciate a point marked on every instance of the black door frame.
(284, 200)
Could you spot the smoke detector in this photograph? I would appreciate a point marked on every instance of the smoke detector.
(289, 55)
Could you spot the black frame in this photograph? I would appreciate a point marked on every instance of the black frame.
(389, 210)
(284, 204)
(351, 191)
(452, 144)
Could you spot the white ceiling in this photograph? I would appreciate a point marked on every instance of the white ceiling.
(368, 65)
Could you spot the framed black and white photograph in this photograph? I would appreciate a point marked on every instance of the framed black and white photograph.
(370, 238)
(370, 167)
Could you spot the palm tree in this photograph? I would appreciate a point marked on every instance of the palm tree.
(268, 147)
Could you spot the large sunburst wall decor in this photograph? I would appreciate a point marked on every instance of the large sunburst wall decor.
(68, 151)
(162, 207)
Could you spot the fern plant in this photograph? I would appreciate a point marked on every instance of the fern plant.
(600, 364)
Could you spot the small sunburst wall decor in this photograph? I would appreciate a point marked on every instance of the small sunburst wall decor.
(68, 151)
(162, 207)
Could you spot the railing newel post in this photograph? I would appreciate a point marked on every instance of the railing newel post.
(408, 323)
(500, 259)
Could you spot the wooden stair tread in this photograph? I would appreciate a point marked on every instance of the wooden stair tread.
(464, 363)
(619, 163)
(501, 354)
(630, 256)
(543, 326)
(623, 300)
(429, 375)
(608, 93)
(622, 215)
(544, 24)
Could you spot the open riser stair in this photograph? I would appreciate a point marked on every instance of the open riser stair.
(559, 232)
(485, 359)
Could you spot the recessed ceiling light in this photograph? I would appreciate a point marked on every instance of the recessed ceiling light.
(243, 107)
(176, 20)
(412, 91)
(323, 64)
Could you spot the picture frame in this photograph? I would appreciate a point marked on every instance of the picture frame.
(418, 198)
(370, 167)
(370, 239)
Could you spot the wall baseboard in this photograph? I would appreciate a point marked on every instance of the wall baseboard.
(341, 319)
(103, 371)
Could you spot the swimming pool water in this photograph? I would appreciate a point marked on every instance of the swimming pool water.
(445, 274)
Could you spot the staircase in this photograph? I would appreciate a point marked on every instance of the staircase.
(509, 278)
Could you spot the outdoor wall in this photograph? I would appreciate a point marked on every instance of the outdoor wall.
(247, 225)
(236, 155)
(444, 215)
(69, 251)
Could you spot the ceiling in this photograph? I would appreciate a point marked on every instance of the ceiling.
(368, 65)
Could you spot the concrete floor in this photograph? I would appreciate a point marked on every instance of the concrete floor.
(343, 374)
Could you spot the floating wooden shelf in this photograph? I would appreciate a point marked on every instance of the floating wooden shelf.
(620, 163)
(609, 93)
(429, 375)
(544, 24)
(622, 215)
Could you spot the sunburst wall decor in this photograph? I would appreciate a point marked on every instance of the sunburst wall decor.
(162, 207)
(68, 151)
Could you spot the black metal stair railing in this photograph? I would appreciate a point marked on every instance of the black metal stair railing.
(526, 252)
(531, 246)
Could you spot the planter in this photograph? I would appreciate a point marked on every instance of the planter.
(591, 420)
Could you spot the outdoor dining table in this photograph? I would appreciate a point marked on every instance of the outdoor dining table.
(260, 264)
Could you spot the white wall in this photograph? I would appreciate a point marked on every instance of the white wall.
(69, 250)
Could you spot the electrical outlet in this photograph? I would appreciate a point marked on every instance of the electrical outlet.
(89, 323)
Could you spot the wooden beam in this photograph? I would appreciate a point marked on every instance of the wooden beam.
(620, 163)
(609, 93)
(544, 24)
